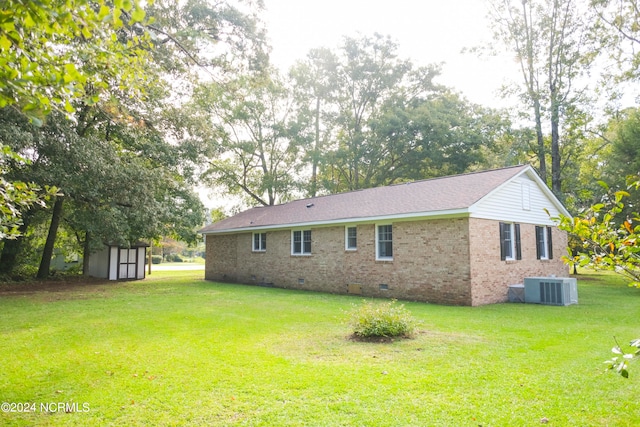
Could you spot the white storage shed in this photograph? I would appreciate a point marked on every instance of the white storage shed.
(119, 263)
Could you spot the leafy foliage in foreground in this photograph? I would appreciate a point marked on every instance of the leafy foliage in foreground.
(620, 363)
(17, 195)
(609, 239)
(380, 320)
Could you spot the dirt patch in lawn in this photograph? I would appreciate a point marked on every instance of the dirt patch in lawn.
(354, 337)
(56, 289)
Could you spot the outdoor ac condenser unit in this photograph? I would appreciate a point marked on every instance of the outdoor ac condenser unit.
(551, 290)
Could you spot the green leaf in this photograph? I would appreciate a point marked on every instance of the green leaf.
(68, 107)
(70, 73)
(116, 17)
(138, 15)
(5, 43)
(104, 12)
(86, 32)
(28, 21)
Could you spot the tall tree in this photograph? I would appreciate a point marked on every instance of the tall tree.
(621, 22)
(431, 134)
(121, 106)
(368, 73)
(251, 120)
(551, 41)
(622, 142)
(121, 183)
(371, 118)
(315, 89)
(38, 69)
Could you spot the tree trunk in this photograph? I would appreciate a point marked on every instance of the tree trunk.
(556, 177)
(11, 249)
(316, 151)
(533, 88)
(86, 253)
(542, 153)
(47, 252)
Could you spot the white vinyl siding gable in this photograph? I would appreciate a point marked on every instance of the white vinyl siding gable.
(520, 200)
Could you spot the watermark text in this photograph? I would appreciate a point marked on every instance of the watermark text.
(50, 407)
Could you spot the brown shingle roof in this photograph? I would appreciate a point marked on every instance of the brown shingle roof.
(430, 196)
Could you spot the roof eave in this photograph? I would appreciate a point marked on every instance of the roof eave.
(449, 213)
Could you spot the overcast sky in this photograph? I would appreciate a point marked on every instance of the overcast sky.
(427, 31)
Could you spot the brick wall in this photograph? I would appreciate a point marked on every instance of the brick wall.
(432, 261)
(491, 277)
(221, 258)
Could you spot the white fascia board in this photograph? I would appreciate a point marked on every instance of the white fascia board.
(546, 190)
(451, 213)
(505, 218)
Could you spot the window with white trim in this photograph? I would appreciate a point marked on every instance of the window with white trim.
(351, 238)
(384, 242)
(510, 248)
(259, 242)
(301, 242)
(544, 246)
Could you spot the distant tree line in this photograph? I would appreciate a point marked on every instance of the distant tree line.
(111, 113)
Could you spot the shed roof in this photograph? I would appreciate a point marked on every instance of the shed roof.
(451, 195)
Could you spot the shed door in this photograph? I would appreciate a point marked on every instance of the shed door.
(128, 262)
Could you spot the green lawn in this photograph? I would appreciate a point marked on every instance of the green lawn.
(175, 350)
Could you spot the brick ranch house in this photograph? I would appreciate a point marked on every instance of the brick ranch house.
(455, 240)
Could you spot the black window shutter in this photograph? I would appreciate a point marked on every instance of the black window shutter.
(503, 254)
(549, 243)
(518, 246)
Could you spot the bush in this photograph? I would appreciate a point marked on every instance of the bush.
(156, 259)
(382, 320)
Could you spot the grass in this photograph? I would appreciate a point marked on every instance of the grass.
(175, 350)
